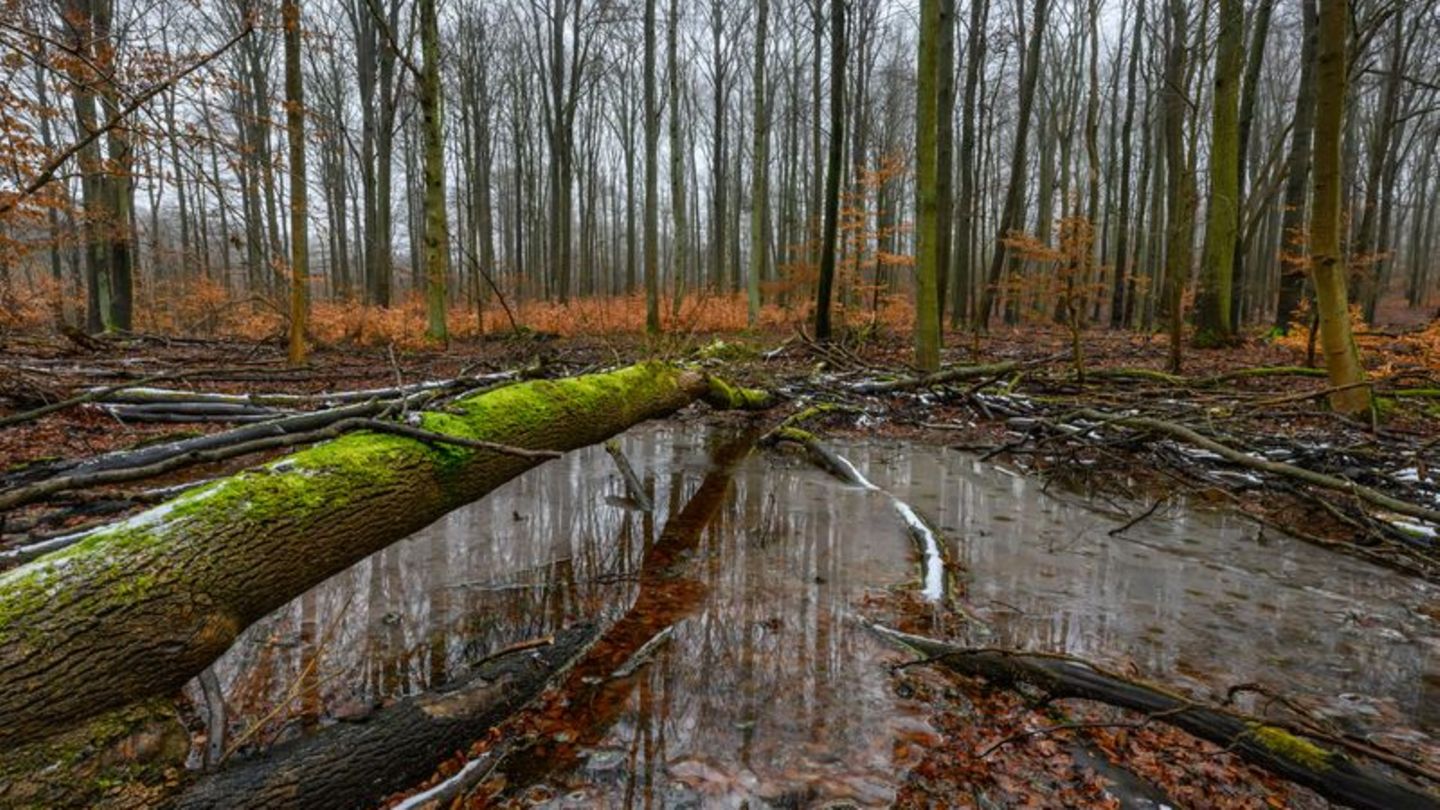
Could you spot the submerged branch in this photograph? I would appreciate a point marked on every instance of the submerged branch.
(1332, 774)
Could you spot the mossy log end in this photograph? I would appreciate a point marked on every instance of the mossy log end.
(130, 757)
(138, 608)
(1330, 773)
(359, 764)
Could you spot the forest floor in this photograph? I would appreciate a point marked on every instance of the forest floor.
(1024, 404)
(1281, 404)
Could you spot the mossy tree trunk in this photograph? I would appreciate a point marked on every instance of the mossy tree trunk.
(1179, 229)
(138, 608)
(1222, 215)
(1342, 359)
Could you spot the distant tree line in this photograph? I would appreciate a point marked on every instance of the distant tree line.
(550, 149)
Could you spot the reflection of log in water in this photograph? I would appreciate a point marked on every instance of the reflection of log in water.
(358, 764)
(594, 697)
(936, 581)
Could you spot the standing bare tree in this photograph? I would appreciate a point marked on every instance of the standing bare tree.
(927, 182)
(759, 171)
(828, 235)
(652, 173)
(1180, 205)
(1010, 216)
(1222, 214)
(299, 208)
(437, 222)
(1342, 359)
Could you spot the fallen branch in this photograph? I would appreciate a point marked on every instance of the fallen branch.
(633, 486)
(172, 462)
(144, 395)
(96, 394)
(185, 412)
(948, 376)
(268, 434)
(1330, 773)
(1248, 461)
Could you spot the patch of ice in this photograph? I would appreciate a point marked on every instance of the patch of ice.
(860, 477)
(934, 564)
(427, 796)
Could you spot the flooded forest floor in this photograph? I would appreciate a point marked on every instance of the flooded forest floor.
(1149, 523)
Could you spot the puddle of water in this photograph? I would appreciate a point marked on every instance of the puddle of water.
(1190, 596)
(760, 690)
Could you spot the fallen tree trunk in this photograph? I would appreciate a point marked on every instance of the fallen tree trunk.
(137, 609)
(359, 764)
(1329, 773)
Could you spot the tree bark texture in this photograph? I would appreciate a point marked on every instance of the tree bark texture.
(359, 764)
(138, 608)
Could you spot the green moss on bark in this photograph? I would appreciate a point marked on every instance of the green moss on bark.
(123, 758)
(722, 394)
(147, 603)
(1287, 745)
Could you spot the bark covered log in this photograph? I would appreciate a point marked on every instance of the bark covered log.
(1330, 773)
(359, 764)
(137, 609)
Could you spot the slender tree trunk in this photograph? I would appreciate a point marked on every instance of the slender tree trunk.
(832, 170)
(1089, 274)
(299, 208)
(1119, 301)
(119, 186)
(1369, 234)
(944, 158)
(437, 223)
(964, 262)
(1259, 37)
(1015, 192)
(652, 171)
(927, 214)
(677, 162)
(80, 21)
(1293, 235)
(1342, 359)
(759, 172)
(382, 238)
(1180, 231)
(1222, 214)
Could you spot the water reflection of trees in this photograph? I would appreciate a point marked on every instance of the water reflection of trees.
(763, 687)
(543, 551)
(763, 684)
(1190, 597)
